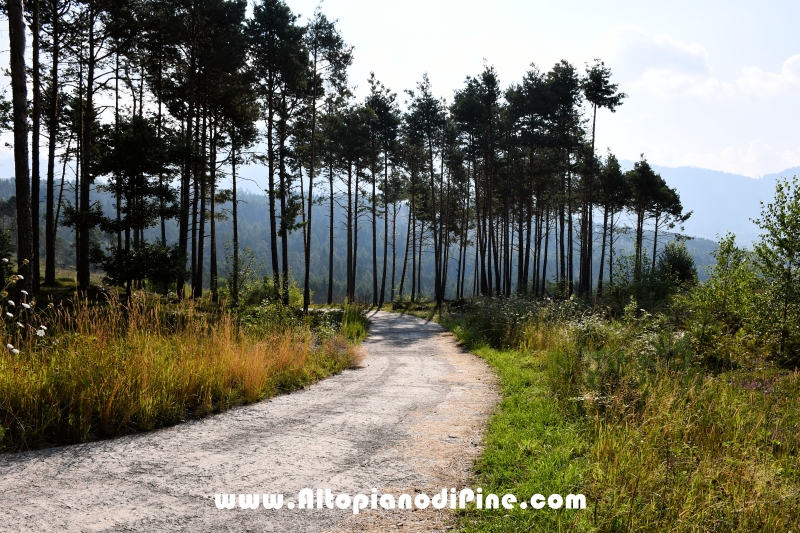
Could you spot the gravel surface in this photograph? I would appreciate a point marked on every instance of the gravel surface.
(411, 419)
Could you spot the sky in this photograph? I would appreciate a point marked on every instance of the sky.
(710, 84)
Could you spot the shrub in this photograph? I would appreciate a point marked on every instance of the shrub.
(778, 259)
(675, 265)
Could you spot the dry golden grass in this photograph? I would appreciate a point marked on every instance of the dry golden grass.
(109, 370)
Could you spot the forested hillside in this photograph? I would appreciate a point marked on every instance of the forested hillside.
(254, 236)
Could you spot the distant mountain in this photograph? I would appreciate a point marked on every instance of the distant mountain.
(720, 201)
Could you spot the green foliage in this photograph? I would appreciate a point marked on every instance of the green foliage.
(151, 261)
(750, 306)
(269, 290)
(652, 288)
(270, 316)
(777, 256)
(246, 268)
(637, 280)
(675, 265)
(513, 322)
(7, 253)
(719, 314)
(6, 116)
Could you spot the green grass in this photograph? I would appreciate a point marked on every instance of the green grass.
(354, 322)
(531, 447)
(622, 411)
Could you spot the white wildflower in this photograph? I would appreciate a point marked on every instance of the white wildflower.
(20, 325)
(9, 315)
(19, 276)
(43, 327)
(11, 302)
(40, 332)
(5, 260)
(26, 306)
(10, 346)
(24, 292)
(15, 351)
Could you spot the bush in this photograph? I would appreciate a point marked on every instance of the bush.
(675, 266)
(269, 291)
(778, 258)
(720, 314)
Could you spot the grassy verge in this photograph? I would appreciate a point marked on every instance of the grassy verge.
(531, 447)
(622, 411)
(102, 371)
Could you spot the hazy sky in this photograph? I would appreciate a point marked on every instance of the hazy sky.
(711, 84)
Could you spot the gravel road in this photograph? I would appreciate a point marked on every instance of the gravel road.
(411, 419)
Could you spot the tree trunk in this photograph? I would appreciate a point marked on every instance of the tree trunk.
(655, 242)
(86, 150)
(195, 200)
(349, 276)
(405, 258)
(183, 224)
(544, 255)
(394, 244)
(602, 253)
(374, 230)
(330, 236)
(50, 228)
(413, 248)
(201, 237)
(419, 259)
(588, 272)
(273, 225)
(35, 175)
(355, 240)
(570, 244)
(307, 251)
(16, 30)
(213, 273)
(283, 191)
(235, 216)
(385, 226)
(437, 267)
(611, 250)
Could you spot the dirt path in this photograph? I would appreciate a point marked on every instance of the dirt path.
(411, 419)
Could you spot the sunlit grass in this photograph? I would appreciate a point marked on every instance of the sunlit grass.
(622, 411)
(109, 370)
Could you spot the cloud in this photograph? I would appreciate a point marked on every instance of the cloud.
(636, 51)
(751, 160)
(757, 82)
(663, 66)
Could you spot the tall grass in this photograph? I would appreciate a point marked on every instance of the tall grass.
(354, 321)
(668, 444)
(109, 370)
